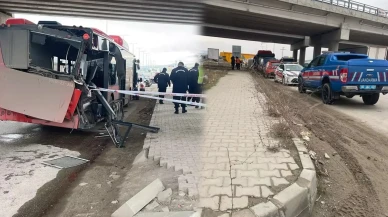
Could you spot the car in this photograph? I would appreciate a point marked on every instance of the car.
(335, 74)
(270, 68)
(287, 73)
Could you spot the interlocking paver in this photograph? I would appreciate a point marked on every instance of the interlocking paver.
(222, 150)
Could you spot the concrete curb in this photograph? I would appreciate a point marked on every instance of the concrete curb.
(297, 200)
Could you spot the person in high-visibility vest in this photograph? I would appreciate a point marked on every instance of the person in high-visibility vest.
(201, 77)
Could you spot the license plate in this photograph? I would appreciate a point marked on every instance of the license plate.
(367, 87)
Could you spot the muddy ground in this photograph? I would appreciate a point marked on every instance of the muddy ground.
(353, 182)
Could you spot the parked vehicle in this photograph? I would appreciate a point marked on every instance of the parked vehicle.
(271, 68)
(287, 60)
(335, 74)
(261, 59)
(288, 73)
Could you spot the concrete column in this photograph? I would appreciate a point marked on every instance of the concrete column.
(295, 55)
(302, 56)
(334, 46)
(4, 17)
(317, 50)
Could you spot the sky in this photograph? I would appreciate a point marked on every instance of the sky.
(164, 43)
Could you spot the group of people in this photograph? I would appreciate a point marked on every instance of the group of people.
(183, 81)
(236, 62)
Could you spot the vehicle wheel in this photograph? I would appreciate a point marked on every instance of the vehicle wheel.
(371, 99)
(301, 89)
(327, 96)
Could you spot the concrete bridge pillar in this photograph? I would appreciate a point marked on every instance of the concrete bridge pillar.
(302, 55)
(4, 17)
(317, 50)
(295, 55)
(334, 46)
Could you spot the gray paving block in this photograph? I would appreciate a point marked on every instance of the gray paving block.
(267, 209)
(293, 200)
(307, 163)
(140, 200)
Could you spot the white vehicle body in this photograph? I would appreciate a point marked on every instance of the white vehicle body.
(287, 73)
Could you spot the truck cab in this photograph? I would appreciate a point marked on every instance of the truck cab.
(348, 74)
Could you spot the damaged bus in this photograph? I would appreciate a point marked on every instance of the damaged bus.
(50, 74)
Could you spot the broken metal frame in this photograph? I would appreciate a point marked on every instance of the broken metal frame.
(112, 124)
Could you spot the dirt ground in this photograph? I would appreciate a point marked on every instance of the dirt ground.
(353, 182)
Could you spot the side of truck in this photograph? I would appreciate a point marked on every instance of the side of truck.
(345, 74)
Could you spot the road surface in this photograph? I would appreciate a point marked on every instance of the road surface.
(374, 116)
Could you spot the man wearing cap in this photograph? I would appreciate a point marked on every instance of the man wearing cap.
(163, 80)
(179, 79)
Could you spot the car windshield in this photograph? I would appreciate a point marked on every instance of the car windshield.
(276, 64)
(294, 68)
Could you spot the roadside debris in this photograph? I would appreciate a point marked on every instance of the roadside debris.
(115, 202)
(313, 155)
(152, 206)
(165, 209)
(165, 196)
(327, 156)
(140, 200)
(305, 135)
(140, 158)
(83, 184)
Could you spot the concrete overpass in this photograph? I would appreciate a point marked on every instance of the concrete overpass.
(165, 11)
(300, 23)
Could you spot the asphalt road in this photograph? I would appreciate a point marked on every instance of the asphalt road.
(375, 116)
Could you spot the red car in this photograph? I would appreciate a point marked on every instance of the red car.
(270, 68)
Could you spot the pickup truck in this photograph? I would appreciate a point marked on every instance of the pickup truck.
(335, 74)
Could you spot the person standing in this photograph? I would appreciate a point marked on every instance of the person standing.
(193, 81)
(179, 81)
(201, 77)
(238, 63)
(233, 61)
(163, 80)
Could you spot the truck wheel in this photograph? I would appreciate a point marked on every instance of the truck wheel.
(327, 96)
(371, 99)
(301, 88)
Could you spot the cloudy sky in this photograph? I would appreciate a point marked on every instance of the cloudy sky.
(164, 43)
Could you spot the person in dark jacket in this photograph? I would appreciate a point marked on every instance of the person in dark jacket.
(233, 61)
(163, 80)
(193, 82)
(179, 79)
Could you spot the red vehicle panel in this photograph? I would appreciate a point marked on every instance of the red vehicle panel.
(271, 68)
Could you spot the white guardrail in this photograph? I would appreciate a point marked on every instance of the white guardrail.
(357, 6)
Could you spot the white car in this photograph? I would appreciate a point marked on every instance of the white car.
(287, 73)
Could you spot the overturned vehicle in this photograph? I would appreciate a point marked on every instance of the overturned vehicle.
(52, 74)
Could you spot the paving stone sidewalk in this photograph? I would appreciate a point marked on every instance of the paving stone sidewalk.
(223, 150)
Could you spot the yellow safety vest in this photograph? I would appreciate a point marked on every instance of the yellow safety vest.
(200, 75)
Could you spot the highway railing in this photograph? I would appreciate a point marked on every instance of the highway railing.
(357, 6)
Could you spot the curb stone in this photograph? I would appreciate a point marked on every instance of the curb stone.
(297, 200)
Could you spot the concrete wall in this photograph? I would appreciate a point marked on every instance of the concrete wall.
(4, 17)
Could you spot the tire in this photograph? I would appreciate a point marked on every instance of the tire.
(326, 94)
(301, 88)
(371, 99)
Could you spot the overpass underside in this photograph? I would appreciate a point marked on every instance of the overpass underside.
(301, 26)
(164, 11)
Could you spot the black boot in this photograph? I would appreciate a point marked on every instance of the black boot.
(176, 111)
(184, 110)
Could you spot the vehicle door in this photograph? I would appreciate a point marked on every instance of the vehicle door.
(319, 72)
(280, 71)
(307, 73)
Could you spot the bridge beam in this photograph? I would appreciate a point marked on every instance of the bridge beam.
(333, 38)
